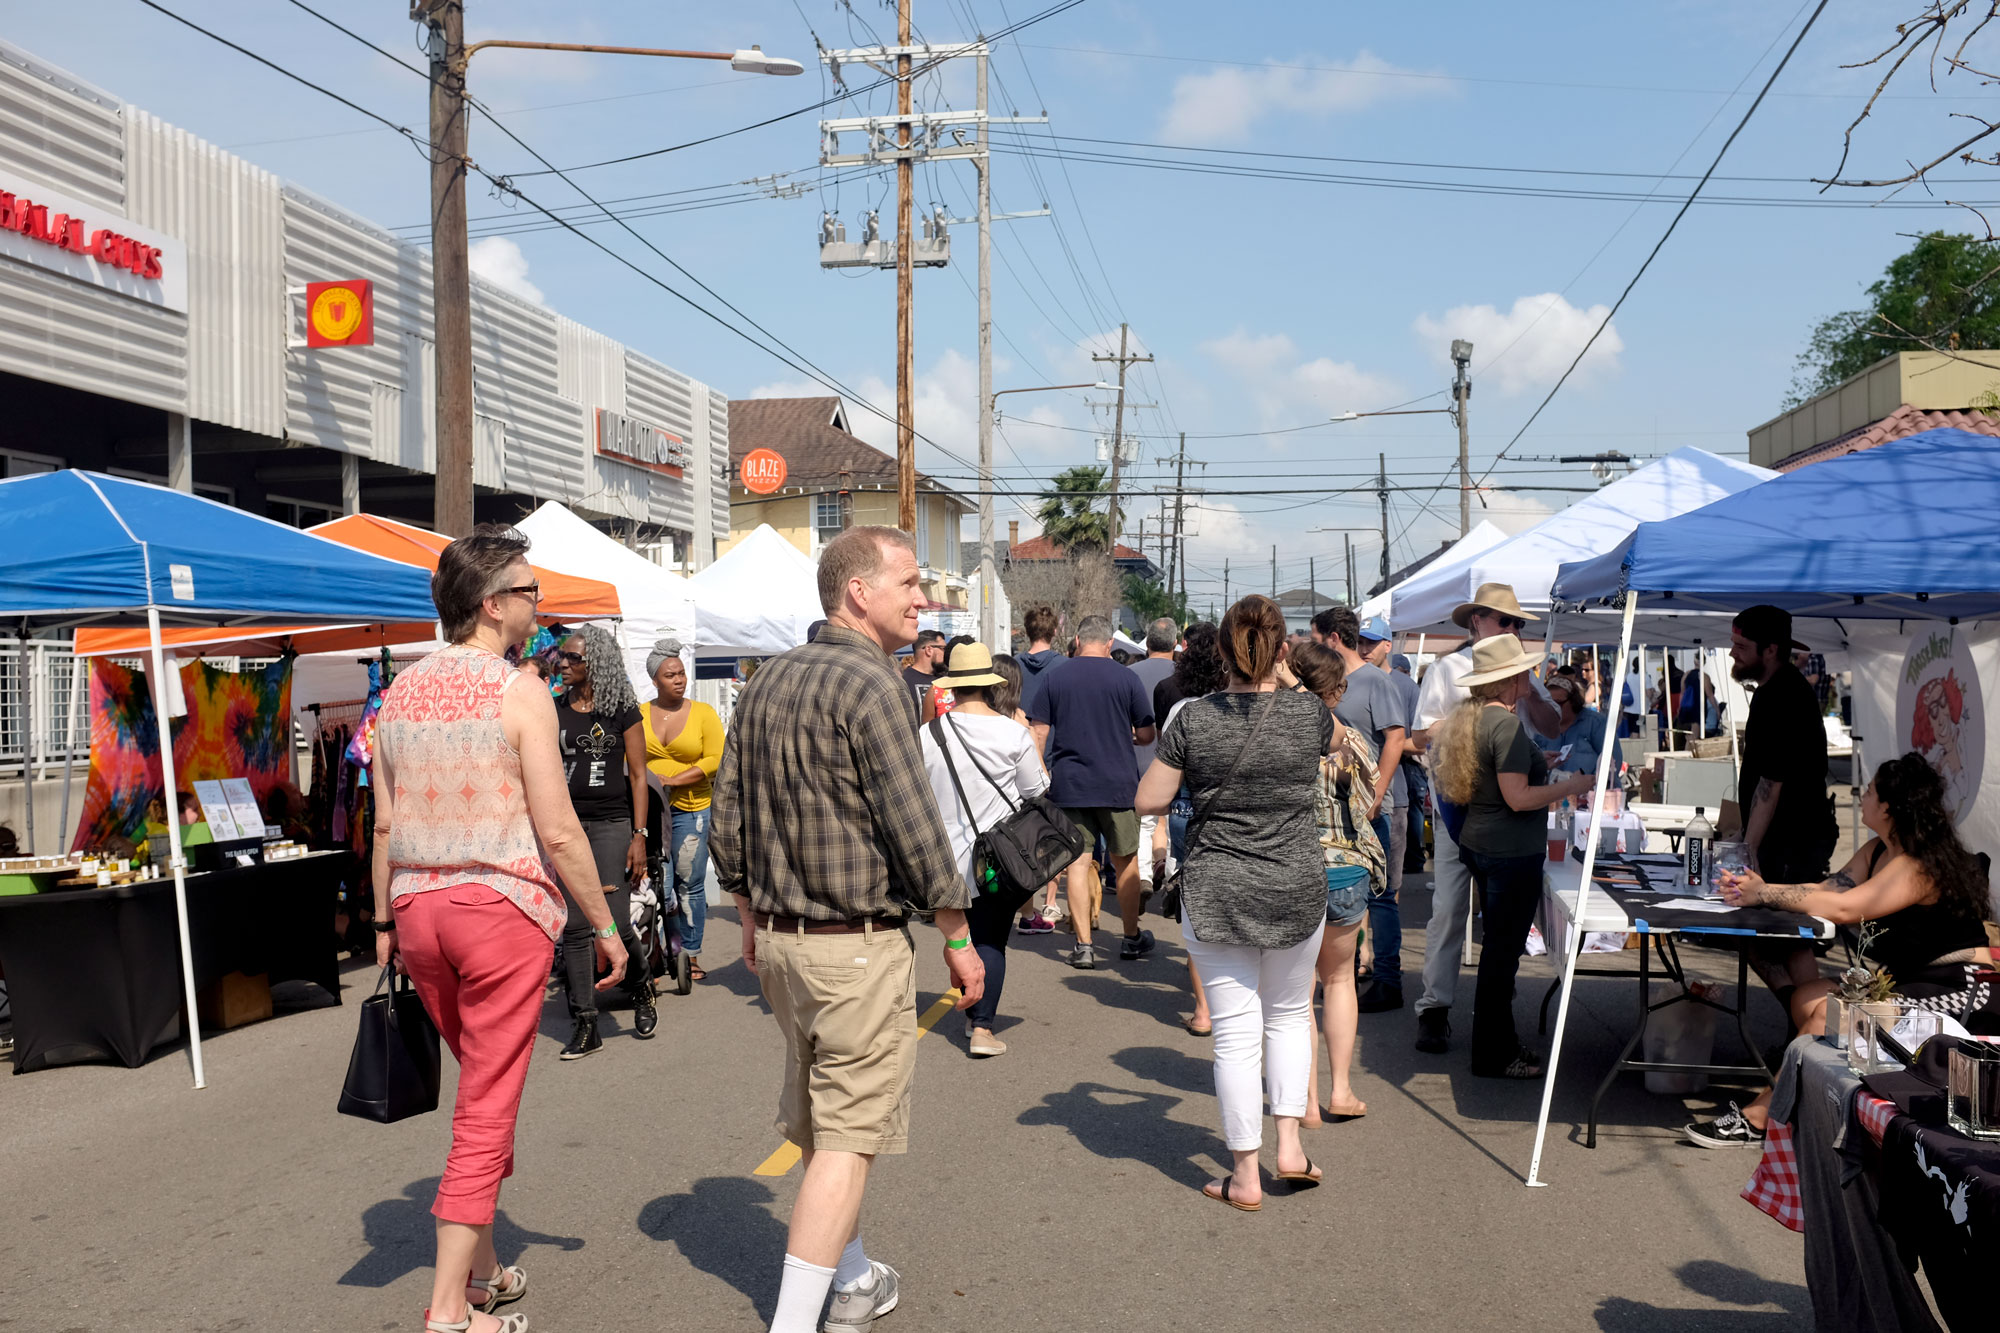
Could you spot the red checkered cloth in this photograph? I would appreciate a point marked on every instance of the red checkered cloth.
(1774, 1187)
(1874, 1115)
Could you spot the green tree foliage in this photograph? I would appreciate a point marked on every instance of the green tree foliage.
(1943, 294)
(1149, 601)
(1069, 514)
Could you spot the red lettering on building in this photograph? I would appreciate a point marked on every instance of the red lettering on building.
(32, 220)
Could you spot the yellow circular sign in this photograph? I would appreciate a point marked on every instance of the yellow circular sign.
(336, 313)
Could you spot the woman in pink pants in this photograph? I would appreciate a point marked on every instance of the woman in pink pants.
(473, 828)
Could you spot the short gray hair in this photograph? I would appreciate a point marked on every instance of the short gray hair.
(1162, 635)
(856, 554)
(1093, 630)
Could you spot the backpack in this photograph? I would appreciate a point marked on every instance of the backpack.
(1026, 848)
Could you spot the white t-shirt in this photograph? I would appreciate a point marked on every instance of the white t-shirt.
(1634, 701)
(1005, 750)
(1440, 691)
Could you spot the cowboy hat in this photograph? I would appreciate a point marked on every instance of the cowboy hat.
(969, 664)
(1491, 597)
(1497, 658)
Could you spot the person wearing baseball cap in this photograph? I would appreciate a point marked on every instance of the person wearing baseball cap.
(1376, 641)
(1781, 796)
(1493, 610)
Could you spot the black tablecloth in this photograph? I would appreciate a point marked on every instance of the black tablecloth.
(1647, 914)
(1941, 1201)
(97, 972)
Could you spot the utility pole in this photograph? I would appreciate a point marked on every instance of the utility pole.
(1349, 538)
(1225, 580)
(1461, 393)
(906, 253)
(451, 273)
(988, 576)
(1180, 552)
(1312, 585)
(1382, 493)
(1124, 360)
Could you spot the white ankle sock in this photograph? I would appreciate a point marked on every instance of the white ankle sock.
(854, 1267)
(801, 1297)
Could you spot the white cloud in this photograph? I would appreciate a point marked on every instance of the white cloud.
(1223, 105)
(1528, 346)
(500, 261)
(1287, 390)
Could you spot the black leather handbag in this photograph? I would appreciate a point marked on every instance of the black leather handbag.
(393, 1073)
(1025, 849)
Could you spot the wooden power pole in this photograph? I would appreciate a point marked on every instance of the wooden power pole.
(451, 273)
(1124, 359)
(906, 352)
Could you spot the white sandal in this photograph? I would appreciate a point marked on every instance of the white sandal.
(509, 1323)
(508, 1284)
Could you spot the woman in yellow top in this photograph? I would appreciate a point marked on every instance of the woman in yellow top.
(683, 750)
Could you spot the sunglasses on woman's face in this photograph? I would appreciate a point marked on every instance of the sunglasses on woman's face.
(573, 658)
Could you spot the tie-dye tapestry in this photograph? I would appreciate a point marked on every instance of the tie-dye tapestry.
(238, 725)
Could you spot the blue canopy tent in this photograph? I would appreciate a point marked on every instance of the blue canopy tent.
(1906, 531)
(82, 548)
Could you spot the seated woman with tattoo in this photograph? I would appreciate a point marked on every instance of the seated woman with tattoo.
(1923, 896)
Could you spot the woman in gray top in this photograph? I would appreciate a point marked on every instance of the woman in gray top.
(1253, 886)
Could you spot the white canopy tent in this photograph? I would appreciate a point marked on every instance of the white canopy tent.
(657, 603)
(1683, 481)
(1483, 537)
(759, 599)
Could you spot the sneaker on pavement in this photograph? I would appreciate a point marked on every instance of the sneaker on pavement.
(584, 1041)
(1082, 956)
(1379, 999)
(1136, 946)
(1034, 925)
(1434, 1031)
(862, 1306)
(1731, 1130)
(984, 1045)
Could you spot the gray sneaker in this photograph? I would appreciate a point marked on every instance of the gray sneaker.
(868, 1302)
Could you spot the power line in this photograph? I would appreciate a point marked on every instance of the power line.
(1661, 243)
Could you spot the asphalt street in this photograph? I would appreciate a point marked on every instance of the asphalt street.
(1054, 1187)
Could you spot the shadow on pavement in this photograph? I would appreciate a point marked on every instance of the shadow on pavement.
(1123, 1125)
(1719, 1282)
(401, 1237)
(724, 1227)
(1154, 997)
(1168, 1068)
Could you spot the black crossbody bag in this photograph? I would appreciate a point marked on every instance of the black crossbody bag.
(1026, 848)
(1170, 896)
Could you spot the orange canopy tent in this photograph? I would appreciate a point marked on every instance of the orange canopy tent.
(565, 598)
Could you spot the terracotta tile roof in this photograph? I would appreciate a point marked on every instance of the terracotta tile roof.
(1041, 548)
(1902, 422)
(809, 434)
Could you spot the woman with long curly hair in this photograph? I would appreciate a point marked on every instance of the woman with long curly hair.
(604, 755)
(1485, 761)
(1922, 896)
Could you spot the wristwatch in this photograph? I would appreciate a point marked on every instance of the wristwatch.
(609, 932)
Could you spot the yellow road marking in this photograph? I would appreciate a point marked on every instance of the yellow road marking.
(787, 1155)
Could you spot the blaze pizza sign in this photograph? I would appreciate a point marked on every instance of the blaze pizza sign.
(91, 244)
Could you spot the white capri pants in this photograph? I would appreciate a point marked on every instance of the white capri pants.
(1260, 1002)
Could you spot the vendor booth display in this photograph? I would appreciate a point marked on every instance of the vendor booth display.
(81, 548)
(758, 600)
(1899, 538)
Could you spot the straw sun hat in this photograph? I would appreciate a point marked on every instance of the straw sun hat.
(1497, 658)
(1491, 597)
(970, 664)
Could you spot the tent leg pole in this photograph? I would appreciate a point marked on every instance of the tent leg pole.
(178, 862)
(78, 680)
(1575, 949)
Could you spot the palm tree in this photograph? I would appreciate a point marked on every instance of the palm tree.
(1069, 514)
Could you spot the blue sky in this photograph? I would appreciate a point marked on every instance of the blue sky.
(1270, 304)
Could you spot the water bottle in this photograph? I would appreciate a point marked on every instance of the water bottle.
(1700, 833)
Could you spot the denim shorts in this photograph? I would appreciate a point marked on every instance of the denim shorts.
(1346, 895)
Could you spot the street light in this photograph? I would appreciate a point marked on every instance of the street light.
(987, 577)
(451, 271)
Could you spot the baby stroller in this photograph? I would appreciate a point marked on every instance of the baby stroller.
(657, 919)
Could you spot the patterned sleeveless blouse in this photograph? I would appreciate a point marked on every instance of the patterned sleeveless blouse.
(460, 810)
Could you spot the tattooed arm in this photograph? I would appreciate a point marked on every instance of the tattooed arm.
(1840, 899)
(1757, 819)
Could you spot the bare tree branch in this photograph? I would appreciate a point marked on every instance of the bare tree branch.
(1927, 29)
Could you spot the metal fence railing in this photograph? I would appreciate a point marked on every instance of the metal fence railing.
(54, 694)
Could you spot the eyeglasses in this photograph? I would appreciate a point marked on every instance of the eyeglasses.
(532, 591)
(573, 658)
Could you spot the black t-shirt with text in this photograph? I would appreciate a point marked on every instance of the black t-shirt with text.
(593, 751)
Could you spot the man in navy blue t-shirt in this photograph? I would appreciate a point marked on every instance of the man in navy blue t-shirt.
(1088, 713)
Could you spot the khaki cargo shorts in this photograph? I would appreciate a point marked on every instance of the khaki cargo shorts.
(847, 1005)
(1118, 828)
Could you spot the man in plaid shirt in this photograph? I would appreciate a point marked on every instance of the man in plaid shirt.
(826, 833)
